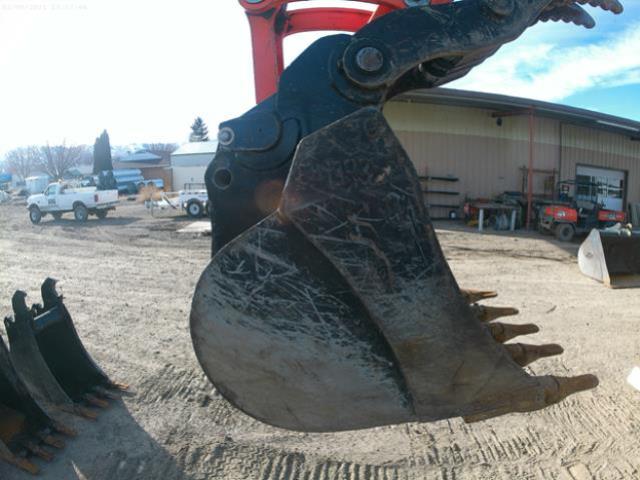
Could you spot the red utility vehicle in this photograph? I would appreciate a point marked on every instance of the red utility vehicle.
(576, 215)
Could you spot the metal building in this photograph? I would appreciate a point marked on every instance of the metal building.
(469, 145)
(189, 162)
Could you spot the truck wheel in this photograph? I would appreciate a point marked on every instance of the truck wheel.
(56, 215)
(80, 212)
(35, 215)
(102, 214)
(564, 232)
(194, 209)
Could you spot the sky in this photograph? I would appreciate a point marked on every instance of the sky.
(144, 69)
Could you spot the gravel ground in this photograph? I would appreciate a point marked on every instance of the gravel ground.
(128, 282)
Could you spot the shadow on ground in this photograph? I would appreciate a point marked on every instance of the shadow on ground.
(113, 447)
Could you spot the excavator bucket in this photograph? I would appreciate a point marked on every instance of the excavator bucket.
(610, 258)
(50, 356)
(26, 429)
(339, 310)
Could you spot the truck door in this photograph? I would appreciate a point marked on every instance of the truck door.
(50, 195)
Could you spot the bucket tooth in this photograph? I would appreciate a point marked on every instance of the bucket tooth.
(487, 314)
(38, 451)
(103, 392)
(24, 422)
(51, 356)
(503, 332)
(64, 429)
(612, 259)
(524, 354)
(552, 390)
(50, 440)
(95, 401)
(473, 296)
(346, 286)
(19, 462)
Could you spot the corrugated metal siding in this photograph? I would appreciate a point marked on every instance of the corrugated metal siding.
(468, 144)
(582, 146)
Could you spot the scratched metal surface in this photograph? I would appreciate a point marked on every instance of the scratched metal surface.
(339, 311)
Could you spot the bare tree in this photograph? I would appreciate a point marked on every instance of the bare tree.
(163, 150)
(59, 159)
(23, 161)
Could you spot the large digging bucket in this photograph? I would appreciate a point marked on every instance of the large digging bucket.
(339, 310)
(611, 259)
(26, 429)
(49, 329)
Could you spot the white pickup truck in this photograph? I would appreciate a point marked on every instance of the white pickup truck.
(60, 197)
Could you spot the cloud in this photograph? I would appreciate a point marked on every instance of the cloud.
(551, 72)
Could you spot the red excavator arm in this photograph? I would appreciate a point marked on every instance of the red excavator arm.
(271, 22)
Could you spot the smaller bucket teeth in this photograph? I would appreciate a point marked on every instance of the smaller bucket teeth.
(38, 451)
(65, 430)
(95, 401)
(524, 354)
(21, 463)
(50, 440)
(472, 295)
(46, 367)
(87, 413)
(123, 387)
(103, 392)
(503, 332)
(487, 314)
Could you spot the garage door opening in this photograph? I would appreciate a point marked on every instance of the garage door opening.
(608, 185)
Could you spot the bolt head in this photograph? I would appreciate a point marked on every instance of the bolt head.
(225, 136)
(369, 59)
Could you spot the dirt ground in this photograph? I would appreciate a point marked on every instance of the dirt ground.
(128, 282)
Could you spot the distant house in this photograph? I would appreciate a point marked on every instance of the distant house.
(152, 166)
(189, 162)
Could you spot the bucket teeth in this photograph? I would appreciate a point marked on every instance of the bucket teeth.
(95, 401)
(103, 392)
(474, 296)
(86, 413)
(50, 440)
(37, 451)
(21, 463)
(565, 386)
(64, 429)
(503, 332)
(487, 314)
(524, 354)
(123, 387)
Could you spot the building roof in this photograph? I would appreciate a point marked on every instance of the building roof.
(516, 105)
(194, 148)
(140, 156)
(140, 165)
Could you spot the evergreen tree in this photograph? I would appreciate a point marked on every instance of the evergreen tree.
(199, 131)
(102, 153)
